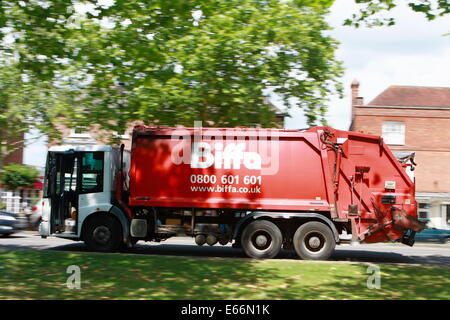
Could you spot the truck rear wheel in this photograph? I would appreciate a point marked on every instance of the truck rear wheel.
(314, 241)
(103, 233)
(261, 239)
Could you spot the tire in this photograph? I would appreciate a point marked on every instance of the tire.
(103, 233)
(35, 225)
(261, 239)
(314, 241)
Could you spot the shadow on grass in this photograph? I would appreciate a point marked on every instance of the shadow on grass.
(176, 250)
(42, 275)
(351, 282)
(341, 254)
(29, 274)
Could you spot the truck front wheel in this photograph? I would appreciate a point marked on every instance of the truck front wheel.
(314, 241)
(261, 239)
(103, 233)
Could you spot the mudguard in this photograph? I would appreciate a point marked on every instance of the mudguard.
(123, 221)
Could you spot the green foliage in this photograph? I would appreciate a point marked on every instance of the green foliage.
(372, 12)
(177, 67)
(26, 103)
(169, 62)
(15, 176)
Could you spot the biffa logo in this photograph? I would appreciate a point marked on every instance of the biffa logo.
(231, 148)
(229, 157)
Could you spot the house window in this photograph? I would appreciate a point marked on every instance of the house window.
(424, 210)
(446, 213)
(394, 132)
(80, 132)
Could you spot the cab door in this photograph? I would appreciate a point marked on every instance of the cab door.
(63, 190)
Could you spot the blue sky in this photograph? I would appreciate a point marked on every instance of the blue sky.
(413, 52)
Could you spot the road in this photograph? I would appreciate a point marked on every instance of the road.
(420, 254)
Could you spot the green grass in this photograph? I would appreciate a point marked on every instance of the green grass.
(27, 274)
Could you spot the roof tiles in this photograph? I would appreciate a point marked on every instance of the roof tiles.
(413, 96)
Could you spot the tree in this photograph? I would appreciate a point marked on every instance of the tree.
(177, 61)
(26, 103)
(371, 11)
(172, 62)
(16, 176)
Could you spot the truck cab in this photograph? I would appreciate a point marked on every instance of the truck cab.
(78, 183)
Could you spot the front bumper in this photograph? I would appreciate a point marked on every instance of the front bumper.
(44, 229)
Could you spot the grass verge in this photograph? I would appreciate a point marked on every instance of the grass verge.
(28, 274)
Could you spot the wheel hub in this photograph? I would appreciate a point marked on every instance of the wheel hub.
(102, 234)
(261, 240)
(314, 242)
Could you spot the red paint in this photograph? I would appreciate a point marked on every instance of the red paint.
(305, 180)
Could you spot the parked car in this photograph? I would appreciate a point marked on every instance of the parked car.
(11, 223)
(36, 215)
(431, 234)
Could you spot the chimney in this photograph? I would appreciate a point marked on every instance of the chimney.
(355, 91)
(356, 100)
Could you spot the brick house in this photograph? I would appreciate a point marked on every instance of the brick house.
(414, 119)
(16, 200)
(17, 155)
(94, 135)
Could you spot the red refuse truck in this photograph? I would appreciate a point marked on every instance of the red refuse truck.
(260, 189)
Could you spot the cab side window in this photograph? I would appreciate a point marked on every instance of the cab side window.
(92, 172)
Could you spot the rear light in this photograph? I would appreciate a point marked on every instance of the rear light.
(34, 208)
